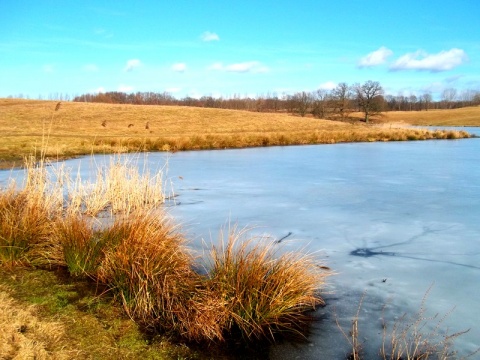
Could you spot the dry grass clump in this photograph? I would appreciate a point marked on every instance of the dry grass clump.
(264, 292)
(119, 187)
(149, 269)
(26, 221)
(83, 244)
(24, 336)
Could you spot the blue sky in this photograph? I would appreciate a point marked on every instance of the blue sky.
(246, 48)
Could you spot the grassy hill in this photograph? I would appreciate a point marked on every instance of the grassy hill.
(82, 128)
(469, 116)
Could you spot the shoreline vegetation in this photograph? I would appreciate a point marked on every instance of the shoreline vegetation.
(100, 270)
(78, 129)
(114, 244)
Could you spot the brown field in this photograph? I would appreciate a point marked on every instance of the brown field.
(82, 128)
(468, 116)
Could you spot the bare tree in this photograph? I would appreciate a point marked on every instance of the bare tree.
(427, 99)
(368, 96)
(301, 102)
(320, 103)
(342, 96)
(448, 97)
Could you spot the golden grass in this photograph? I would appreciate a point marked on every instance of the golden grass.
(24, 335)
(468, 116)
(149, 269)
(63, 318)
(265, 292)
(82, 128)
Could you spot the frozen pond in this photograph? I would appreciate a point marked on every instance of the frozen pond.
(413, 206)
(390, 218)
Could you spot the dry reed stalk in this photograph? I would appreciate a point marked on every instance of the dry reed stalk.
(26, 222)
(119, 188)
(353, 335)
(414, 338)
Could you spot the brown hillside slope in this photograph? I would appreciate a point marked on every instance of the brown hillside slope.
(469, 116)
(81, 128)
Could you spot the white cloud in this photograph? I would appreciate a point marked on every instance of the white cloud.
(329, 85)
(132, 64)
(90, 68)
(243, 67)
(375, 58)
(99, 90)
(209, 36)
(125, 88)
(420, 60)
(179, 67)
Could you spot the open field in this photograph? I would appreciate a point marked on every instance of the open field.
(82, 128)
(469, 116)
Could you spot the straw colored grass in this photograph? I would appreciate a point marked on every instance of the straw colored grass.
(27, 220)
(467, 116)
(265, 292)
(24, 335)
(150, 269)
(120, 187)
(82, 128)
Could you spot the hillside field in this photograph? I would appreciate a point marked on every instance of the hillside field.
(35, 127)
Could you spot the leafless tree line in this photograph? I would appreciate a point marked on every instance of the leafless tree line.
(336, 103)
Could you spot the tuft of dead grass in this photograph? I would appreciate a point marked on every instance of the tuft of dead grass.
(149, 269)
(25, 336)
(264, 291)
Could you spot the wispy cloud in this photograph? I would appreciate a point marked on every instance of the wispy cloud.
(375, 58)
(179, 67)
(132, 64)
(329, 85)
(420, 60)
(90, 68)
(242, 67)
(101, 89)
(209, 36)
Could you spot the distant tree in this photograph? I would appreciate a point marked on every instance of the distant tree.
(301, 102)
(342, 96)
(448, 97)
(320, 103)
(426, 100)
(368, 96)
